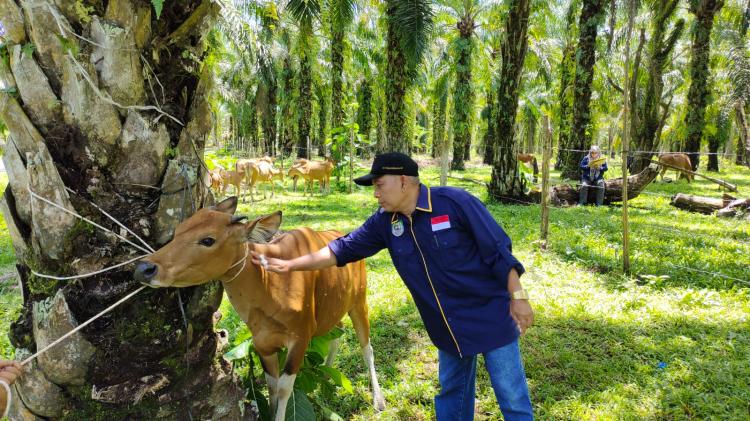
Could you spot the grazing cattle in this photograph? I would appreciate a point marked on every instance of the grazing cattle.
(234, 178)
(679, 160)
(264, 172)
(295, 172)
(314, 170)
(529, 160)
(281, 310)
(244, 165)
(217, 179)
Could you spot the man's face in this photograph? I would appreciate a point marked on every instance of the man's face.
(389, 191)
(595, 154)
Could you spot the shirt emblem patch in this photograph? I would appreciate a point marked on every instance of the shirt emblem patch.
(441, 222)
(397, 228)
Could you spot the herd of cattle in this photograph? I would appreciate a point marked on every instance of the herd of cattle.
(250, 173)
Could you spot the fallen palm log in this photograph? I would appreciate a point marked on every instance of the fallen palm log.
(727, 206)
(566, 195)
(735, 207)
(728, 186)
(699, 204)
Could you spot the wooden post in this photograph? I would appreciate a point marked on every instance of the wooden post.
(351, 157)
(626, 137)
(625, 233)
(546, 152)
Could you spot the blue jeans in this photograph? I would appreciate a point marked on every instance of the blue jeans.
(458, 378)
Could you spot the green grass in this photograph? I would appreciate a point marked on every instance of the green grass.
(663, 343)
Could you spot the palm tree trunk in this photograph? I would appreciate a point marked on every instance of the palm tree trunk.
(287, 108)
(395, 92)
(305, 105)
(565, 99)
(489, 135)
(269, 118)
(704, 11)
(660, 47)
(73, 145)
(322, 124)
(743, 140)
(463, 94)
(364, 112)
(506, 182)
(337, 73)
(591, 18)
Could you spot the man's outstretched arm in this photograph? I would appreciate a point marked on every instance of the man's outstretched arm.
(321, 259)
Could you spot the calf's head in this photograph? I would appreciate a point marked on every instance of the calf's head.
(205, 247)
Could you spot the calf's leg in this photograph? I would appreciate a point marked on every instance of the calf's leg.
(286, 382)
(361, 323)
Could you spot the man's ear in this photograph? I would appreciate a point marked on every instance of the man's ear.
(228, 205)
(263, 228)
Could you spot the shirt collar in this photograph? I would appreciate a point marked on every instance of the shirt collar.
(424, 201)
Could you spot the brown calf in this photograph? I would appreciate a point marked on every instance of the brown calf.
(217, 180)
(234, 178)
(264, 172)
(679, 160)
(314, 170)
(281, 310)
(295, 172)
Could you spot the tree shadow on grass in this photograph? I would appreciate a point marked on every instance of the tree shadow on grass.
(674, 368)
(687, 259)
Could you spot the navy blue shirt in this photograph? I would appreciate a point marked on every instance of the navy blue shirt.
(455, 260)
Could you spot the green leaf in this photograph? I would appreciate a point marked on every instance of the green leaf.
(299, 408)
(158, 4)
(240, 351)
(306, 381)
(338, 377)
(328, 414)
(321, 344)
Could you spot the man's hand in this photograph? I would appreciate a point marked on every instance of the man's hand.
(522, 313)
(269, 263)
(9, 371)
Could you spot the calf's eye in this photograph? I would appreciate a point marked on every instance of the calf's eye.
(207, 242)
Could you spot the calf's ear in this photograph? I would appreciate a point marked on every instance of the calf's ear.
(228, 205)
(263, 228)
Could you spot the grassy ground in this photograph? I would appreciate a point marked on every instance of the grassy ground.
(663, 343)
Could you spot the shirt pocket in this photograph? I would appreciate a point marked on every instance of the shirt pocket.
(401, 247)
(445, 240)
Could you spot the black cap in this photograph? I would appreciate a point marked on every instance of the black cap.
(395, 163)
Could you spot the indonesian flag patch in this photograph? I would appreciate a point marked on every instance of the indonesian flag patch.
(441, 222)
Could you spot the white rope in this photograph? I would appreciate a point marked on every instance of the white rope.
(243, 261)
(86, 275)
(721, 275)
(113, 219)
(7, 404)
(86, 323)
(87, 220)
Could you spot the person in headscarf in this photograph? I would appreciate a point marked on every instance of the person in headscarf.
(593, 167)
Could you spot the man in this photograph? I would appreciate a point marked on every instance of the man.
(593, 167)
(457, 263)
(9, 372)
